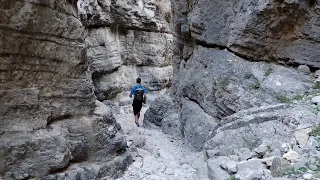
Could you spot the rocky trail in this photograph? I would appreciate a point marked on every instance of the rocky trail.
(157, 155)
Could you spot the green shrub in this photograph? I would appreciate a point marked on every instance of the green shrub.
(231, 178)
(224, 83)
(298, 97)
(283, 99)
(268, 72)
(316, 86)
(256, 85)
(315, 131)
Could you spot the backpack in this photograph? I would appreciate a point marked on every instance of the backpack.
(139, 94)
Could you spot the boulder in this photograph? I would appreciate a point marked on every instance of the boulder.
(249, 128)
(157, 111)
(196, 124)
(214, 170)
(291, 155)
(249, 174)
(280, 166)
(304, 69)
(209, 79)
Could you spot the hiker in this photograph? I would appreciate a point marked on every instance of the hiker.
(139, 93)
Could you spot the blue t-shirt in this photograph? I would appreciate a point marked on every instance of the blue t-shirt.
(133, 89)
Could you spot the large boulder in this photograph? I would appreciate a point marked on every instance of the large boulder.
(67, 146)
(196, 125)
(223, 83)
(163, 113)
(249, 128)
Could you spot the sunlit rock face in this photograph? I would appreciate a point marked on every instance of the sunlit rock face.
(126, 40)
(50, 125)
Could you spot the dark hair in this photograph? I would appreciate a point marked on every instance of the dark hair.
(138, 80)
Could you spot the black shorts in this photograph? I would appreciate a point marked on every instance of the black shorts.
(137, 105)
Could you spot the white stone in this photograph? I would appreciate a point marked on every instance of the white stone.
(307, 176)
(291, 155)
(316, 100)
(232, 167)
(268, 161)
(302, 136)
(169, 171)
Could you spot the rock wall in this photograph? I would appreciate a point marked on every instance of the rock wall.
(269, 30)
(126, 40)
(236, 80)
(50, 125)
(236, 55)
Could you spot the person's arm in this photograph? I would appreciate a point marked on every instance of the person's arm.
(144, 93)
(132, 92)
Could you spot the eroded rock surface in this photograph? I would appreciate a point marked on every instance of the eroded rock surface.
(126, 40)
(47, 99)
(259, 30)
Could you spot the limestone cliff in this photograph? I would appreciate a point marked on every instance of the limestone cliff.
(242, 78)
(126, 40)
(50, 125)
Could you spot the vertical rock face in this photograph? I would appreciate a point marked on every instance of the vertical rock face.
(43, 69)
(231, 59)
(46, 94)
(260, 30)
(126, 40)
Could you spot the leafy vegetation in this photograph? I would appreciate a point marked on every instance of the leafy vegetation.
(298, 171)
(268, 72)
(315, 131)
(231, 178)
(298, 97)
(316, 110)
(283, 99)
(316, 86)
(256, 85)
(224, 83)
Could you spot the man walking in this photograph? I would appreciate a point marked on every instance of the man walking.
(139, 93)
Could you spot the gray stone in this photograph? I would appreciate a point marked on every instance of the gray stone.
(304, 69)
(214, 170)
(279, 167)
(252, 164)
(302, 135)
(312, 167)
(232, 167)
(251, 127)
(262, 149)
(249, 174)
(157, 111)
(268, 161)
(197, 125)
(317, 73)
(245, 154)
(209, 79)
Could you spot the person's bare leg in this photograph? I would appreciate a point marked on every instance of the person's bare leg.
(137, 118)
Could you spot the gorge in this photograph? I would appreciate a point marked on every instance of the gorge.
(233, 89)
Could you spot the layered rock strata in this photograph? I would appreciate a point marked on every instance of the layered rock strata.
(47, 99)
(236, 78)
(126, 40)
